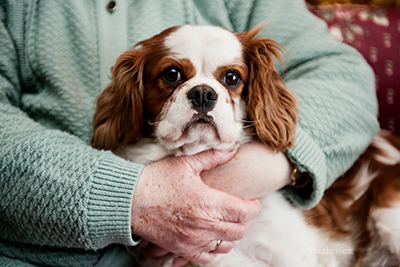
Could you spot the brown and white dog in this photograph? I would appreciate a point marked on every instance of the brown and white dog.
(194, 88)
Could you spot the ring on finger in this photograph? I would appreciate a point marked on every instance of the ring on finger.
(219, 241)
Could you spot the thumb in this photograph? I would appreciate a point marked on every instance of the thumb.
(209, 159)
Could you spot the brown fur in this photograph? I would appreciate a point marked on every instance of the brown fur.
(119, 117)
(340, 215)
(271, 106)
(120, 122)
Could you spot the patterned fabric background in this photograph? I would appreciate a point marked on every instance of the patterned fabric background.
(385, 3)
(375, 33)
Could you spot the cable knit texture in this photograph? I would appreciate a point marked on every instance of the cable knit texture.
(63, 203)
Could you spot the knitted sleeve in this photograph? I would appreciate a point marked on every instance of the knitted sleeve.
(334, 87)
(55, 190)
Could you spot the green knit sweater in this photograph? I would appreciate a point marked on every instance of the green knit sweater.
(63, 203)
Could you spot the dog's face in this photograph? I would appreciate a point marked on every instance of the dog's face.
(192, 88)
(201, 77)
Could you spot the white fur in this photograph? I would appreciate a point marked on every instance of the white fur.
(207, 47)
(391, 156)
(364, 178)
(280, 236)
(388, 225)
(145, 152)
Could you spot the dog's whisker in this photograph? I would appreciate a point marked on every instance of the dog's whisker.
(157, 139)
(165, 93)
(250, 125)
(245, 121)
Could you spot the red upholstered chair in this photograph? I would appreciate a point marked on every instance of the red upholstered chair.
(375, 33)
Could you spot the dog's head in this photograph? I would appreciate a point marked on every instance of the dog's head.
(193, 87)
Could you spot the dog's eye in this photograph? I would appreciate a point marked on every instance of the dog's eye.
(172, 75)
(232, 79)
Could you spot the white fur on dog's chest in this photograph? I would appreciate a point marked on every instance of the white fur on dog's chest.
(147, 151)
(280, 237)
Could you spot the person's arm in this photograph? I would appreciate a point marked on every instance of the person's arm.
(334, 87)
(55, 189)
(254, 172)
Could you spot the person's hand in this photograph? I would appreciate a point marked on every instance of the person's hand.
(255, 171)
(173, 209)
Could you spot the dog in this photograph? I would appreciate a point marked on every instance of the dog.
(195, 88)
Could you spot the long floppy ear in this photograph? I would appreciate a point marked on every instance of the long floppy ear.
(118, 119)
(270, 105)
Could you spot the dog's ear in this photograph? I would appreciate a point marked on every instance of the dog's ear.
(270, 105)
(118, 118)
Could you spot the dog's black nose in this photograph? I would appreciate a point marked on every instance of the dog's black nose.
(203, 98)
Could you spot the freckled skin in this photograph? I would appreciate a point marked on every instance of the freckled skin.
(186, 223)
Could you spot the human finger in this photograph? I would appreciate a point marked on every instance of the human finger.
(228, 231)
(209, 159)
(202, 258)
(236, 210)
(180, 261)
(231, 215)
(205, 258)
(154, 251)
(220, 246)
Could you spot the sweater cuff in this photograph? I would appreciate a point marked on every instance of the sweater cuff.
(308, 157)
(110, 201)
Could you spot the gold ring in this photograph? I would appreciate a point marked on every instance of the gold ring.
(219, 241)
